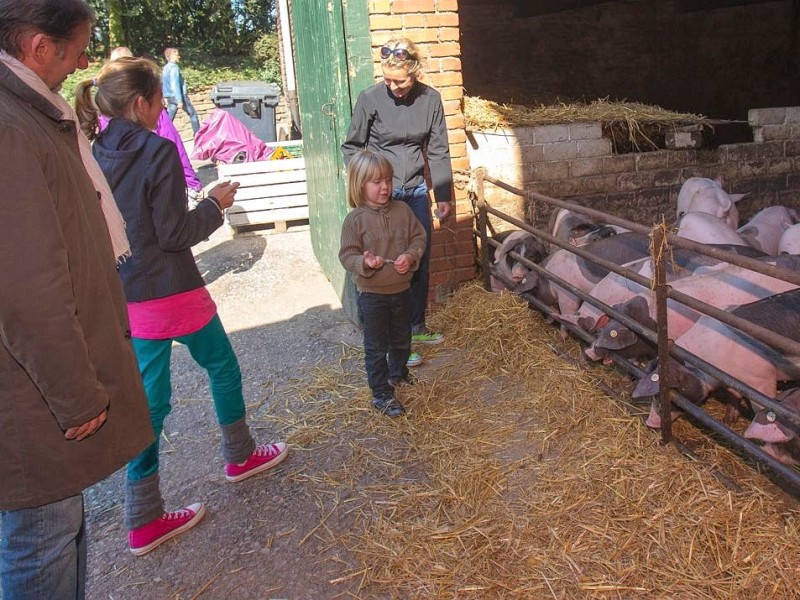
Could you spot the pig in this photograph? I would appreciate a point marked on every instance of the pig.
(577, 229)
(612, 336)
(699, 194)
(790, 241)
(780, 441)
(708, 229)
(688, 189)
(583, 274)
(734, 352)
(720, 278)
(523, 243)
(765, 229)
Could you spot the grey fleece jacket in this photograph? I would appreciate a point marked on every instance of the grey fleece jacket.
(388, 231)
(405, 131)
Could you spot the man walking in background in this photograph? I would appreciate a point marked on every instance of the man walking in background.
(72, 406)
(174, 88)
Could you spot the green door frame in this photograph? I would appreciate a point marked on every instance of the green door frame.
(332, 47)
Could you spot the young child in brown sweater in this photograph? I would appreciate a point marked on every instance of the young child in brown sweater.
(381, 246)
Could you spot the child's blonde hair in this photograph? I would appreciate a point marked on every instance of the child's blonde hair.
(365, 166)
(169, 53)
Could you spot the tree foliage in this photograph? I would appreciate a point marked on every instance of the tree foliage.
(202, 26)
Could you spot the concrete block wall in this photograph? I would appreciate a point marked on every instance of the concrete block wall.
(434, 26)
(574, 162)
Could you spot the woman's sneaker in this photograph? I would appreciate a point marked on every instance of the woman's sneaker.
(427, 337)
(414, 359)
(263, 457)
(389, 406)
(147, 537)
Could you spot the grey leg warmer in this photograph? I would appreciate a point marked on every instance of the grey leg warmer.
(237, 443)
(143, 501)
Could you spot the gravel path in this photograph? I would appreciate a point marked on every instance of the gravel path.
(281, 314)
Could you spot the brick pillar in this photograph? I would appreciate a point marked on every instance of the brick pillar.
(433, 26)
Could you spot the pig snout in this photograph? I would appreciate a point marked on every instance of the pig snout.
(518, 272)
(654, 418)
(780, 453)
(766, 432)
(593, 353)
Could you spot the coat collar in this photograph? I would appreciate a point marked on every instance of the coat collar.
(24, 92)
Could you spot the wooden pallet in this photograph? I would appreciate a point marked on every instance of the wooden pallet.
(271, 192)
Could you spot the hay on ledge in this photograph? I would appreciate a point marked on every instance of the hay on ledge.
(631, 122)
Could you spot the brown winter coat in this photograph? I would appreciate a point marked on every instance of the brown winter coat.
(65, 351)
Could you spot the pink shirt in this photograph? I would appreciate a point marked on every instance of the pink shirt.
(172, 316)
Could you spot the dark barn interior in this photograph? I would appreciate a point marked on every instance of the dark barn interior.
(718, 58)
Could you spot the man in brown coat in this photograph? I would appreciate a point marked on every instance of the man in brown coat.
(72, 406)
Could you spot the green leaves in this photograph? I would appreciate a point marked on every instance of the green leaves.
(213, 27)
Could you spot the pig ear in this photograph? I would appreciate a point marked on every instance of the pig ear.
(601, 322)
(588, 324)
(736, 197)
(720, 181)
(573, 318)
(636, 308)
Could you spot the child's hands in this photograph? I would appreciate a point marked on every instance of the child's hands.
(403, 263)
(372, 261)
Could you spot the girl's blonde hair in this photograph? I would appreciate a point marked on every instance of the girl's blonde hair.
(117, 86)
(365, 166)
(412, 65)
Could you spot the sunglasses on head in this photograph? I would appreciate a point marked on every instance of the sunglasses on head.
(398, 53)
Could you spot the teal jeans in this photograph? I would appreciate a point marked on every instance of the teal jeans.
(212, 350)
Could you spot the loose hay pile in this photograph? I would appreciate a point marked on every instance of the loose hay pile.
(631, 126)
(513, 476)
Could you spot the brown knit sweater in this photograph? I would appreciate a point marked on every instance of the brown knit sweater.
(388, 231)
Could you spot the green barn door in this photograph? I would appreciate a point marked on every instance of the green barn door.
(322, 49)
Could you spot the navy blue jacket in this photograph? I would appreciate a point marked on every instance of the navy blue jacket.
(146, 176)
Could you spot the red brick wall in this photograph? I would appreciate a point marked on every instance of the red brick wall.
(434, 26)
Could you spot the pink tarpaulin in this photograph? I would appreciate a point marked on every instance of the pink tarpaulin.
(224, 138)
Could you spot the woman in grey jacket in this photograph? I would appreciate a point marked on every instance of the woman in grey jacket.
(167, 298)
(403, 120)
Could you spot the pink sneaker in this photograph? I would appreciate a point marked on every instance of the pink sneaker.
(263, 457)
(147, 537)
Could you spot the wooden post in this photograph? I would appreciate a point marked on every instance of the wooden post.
(659, 254)
(486, 267)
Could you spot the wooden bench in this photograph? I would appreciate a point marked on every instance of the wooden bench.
(271, 192)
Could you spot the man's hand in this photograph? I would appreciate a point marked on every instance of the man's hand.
(443, 210)
(83, 431)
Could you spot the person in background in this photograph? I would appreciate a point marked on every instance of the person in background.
(167, 298)
(382, 245)
(71, 399)
(403, 119)
(167, 130)
(174, 88)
